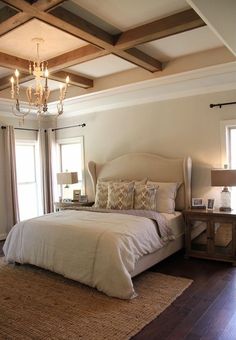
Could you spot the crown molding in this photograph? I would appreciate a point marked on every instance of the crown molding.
(208, 80)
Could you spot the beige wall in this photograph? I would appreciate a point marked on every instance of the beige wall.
(176, 128)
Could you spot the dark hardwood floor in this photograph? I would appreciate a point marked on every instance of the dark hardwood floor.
(206, 310)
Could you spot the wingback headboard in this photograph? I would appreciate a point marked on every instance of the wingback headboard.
(136, 166)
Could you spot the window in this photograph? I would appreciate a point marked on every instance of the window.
(71, 158)
(27, 180)
(228, 133)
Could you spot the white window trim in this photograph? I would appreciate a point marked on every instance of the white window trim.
(75, 140)
(224, 136)
(37, 171)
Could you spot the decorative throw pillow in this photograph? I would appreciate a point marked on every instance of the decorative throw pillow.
(165, 200)
(145, 197)
(101, 195)
(102, 191)
(120, 195)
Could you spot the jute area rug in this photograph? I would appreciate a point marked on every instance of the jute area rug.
(37, 304)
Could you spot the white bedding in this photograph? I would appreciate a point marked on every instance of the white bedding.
(175, 222)
(94, 248)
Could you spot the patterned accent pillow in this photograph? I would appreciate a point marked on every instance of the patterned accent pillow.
(101, 195)
(102, 191)
(120, 195)
(145, 197)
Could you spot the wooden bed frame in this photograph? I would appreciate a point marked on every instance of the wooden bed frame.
(137, 166)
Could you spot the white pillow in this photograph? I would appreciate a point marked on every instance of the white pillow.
(166, 195)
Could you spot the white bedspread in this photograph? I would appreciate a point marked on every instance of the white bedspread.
(94, 248)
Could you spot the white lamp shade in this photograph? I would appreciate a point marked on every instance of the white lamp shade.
(67, 177)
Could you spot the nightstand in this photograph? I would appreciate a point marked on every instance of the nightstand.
(70, 205)
(210, 234)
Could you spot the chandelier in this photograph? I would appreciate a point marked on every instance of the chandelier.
(37, 95)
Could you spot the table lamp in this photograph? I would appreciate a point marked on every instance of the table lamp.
(224, 178)
(67, 178)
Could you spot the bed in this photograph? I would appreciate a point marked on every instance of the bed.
(105, 248)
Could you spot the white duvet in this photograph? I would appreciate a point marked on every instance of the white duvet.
(96, 249)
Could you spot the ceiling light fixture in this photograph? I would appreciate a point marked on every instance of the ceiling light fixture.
(37, 95)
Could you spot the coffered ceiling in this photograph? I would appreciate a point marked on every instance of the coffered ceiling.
(93, 40)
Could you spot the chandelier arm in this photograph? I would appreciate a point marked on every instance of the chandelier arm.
(38, 94)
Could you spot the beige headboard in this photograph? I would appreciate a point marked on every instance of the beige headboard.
(136, 166)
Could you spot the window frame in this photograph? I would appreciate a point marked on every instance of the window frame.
(37, 182)
(225, 127)
(72, 140)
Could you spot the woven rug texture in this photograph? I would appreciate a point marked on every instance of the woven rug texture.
(38, 304)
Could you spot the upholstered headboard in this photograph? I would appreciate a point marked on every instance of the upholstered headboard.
(136, 166)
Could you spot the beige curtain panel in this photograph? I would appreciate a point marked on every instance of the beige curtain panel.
(47, 147)
(12, 209)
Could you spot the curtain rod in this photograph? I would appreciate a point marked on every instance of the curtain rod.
(222, 104)
(61, 128)
(68, 127)
(16, 128)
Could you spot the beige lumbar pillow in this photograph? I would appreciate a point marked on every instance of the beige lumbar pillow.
(165, 199)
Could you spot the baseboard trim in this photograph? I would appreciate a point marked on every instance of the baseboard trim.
(3, 237)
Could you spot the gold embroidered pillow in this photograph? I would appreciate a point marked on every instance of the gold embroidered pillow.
(145, 197)
(120, 195)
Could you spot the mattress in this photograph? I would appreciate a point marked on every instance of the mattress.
(175, 222)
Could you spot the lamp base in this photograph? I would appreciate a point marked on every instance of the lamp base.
(225, 209)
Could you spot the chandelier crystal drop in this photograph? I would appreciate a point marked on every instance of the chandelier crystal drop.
(37, 95)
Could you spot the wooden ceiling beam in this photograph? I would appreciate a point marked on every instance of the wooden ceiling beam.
(72, 24)
(9, 21)
(85, 30)
(42, 5)
(87, 35)
(141, 59)
(46, 5)
(80, 55)
(13, 22)
(22, 65)
(11, 62)
(75, 79)
(173, 24)
(5, 81)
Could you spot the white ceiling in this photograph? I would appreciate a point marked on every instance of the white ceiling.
(102, 66)
(19, 41)
(127, 14)
(180, 44)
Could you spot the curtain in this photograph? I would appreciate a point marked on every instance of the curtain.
(47, 147)
(12, 208)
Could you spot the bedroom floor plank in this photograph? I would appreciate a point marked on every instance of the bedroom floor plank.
(206, 310)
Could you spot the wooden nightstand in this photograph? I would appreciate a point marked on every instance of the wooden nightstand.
(70, 205)
(210, 234)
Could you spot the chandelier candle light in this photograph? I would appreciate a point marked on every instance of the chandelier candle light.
(38, 95)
